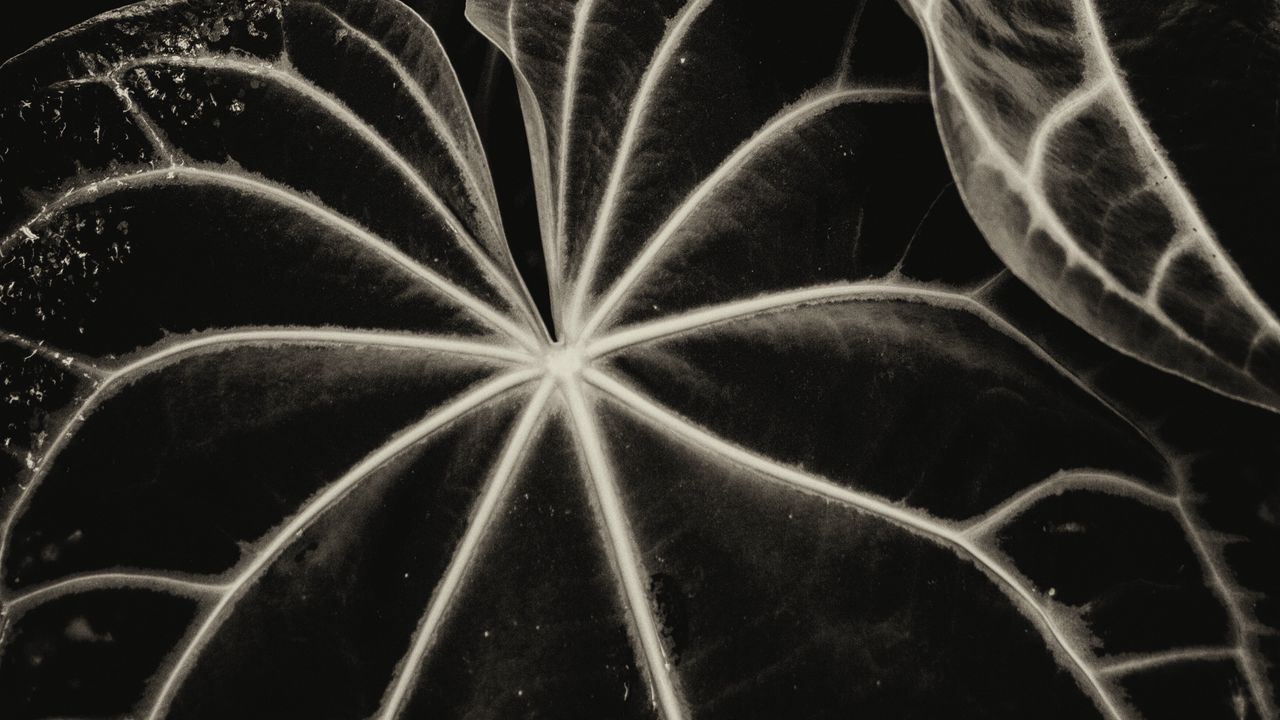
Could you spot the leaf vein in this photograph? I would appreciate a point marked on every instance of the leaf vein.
(915, 521)
(326, 499)
(463, 560)
(621, 545)
(785, 122)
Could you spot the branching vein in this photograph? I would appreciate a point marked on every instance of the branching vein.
(159, 357)
(640, 106)
(289, 198)
(358, 125)
(81, 366)
(914, 521)
(1150, 661)
(1102, 481)
(1043, 214)
(623, 552)
(782, 124)
(314, 508)
(568, 94)
(463, 560)
(477, 177)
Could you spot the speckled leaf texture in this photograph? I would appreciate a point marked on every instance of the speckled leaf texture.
(285, 435)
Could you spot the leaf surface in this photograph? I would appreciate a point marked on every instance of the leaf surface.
(803, 447)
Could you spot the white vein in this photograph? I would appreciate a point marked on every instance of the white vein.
(917, 522)
(326, 499)
(1089, 20)
(850, 43)
(1175, 504)
(640, 104)
(707, 317)
(1102, 481)
(157, 358)
(737, 310)
(625, 556)
(539, 154)
(1045, 216)
(446, 593)
(476, 177)
(1160, 271)
(1249, 663)
(475, 170)
(19, 602)
(358, 125)
(57, 357)
(868, 291)
(1151, 661)
(1042, 212)
(159, 146)
(1098, 480)
(309, 206)
(786, 121)
(573, 63)
(1066, 110)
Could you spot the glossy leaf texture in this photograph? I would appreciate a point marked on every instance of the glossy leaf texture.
(289, 440)
(1121, 158)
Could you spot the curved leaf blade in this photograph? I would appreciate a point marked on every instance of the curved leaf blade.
(1061, 168)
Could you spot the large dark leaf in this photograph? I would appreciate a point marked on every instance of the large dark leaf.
(289, 439)
(1122, 158)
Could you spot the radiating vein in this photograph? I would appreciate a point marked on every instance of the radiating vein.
(319, 504)
(475, 170)
(289, 198)
(173, 584)
(967, 302)
(915, 521)
(572, 66)
(870, 291)
(539, 154)
(785, 122)
(159, 356)
(622, 550)
(899, 291)
(640, 104)
(476, 177)
(446, 593)
(358, 125)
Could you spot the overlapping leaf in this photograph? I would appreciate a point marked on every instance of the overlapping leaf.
(289, 442)
(1053, 114)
